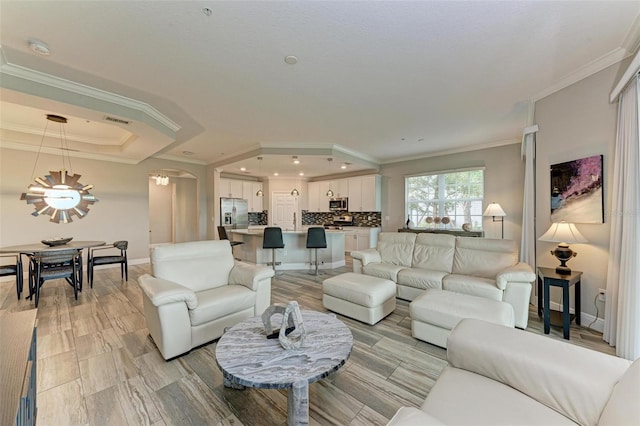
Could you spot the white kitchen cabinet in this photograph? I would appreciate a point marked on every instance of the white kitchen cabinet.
(255, 202)
(340, 187)
(360, 238)
(230, 188)
(364, 193)
(313, 196)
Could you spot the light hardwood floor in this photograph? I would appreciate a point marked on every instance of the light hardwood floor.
(97, 364)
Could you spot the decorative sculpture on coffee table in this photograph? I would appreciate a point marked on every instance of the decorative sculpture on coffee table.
(291, 335)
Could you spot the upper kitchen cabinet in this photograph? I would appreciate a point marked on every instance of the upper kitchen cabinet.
(249, 190)
(364, 193)
(230, 188)
(340, 187)
(314, 197)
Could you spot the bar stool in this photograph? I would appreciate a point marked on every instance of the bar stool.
(272, 239)
(316, 238)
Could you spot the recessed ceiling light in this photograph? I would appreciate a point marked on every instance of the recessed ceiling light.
(344, 166)
(187, 152)
(39, 47)
(301, 173)
(295, 159)
(291, 60)
(243, 169)
(275, 173)
(207, 11)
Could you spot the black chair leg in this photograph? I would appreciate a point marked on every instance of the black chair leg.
(126, 271)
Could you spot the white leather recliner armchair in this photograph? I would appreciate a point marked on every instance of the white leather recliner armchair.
(196, 291)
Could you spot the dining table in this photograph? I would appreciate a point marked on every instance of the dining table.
(32, 249)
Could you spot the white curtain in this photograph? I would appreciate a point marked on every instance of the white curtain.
(622, 306)
(528, 239)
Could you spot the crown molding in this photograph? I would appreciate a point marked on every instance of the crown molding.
(57, 151)
(28, 74)
(459, 150)
(179, 159)
(585, 71)
(67, 136)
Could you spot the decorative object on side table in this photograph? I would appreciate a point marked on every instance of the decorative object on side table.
(563, 233)
(466, 227)
(429, 220)
(52, 242)
(495, 210)
(445, 221)
(292, 324)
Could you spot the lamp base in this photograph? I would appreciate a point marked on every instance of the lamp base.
(563, 270)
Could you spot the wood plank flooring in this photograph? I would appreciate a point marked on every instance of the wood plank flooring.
(97, 364)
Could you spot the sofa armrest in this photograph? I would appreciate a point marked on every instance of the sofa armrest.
(163, 292)
(249, 275)
(367, 256)
(520, 272)
(572, 380)
(412, 416)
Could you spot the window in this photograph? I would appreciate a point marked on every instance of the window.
(457, 195)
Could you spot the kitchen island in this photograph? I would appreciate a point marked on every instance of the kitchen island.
(294, 255)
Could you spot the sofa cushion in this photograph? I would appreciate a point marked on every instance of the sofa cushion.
(434, 252)
(445, 309)
(460, 397)
(622, 407)
(197, 265)
(483, 257)
(420, 278)
(396, 248)
(387, 271)
(220, 302)
(475, 286)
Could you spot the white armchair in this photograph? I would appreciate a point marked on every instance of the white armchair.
(196, 291)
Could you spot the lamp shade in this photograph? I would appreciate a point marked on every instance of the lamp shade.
(563, 232)
(494, 210)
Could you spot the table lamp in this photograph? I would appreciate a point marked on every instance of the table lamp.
(563, 233)
(494, 210)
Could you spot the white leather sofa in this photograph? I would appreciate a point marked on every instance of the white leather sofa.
(475, 266)
(502, 376)
(196, 291)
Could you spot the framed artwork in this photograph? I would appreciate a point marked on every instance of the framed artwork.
(576, 191)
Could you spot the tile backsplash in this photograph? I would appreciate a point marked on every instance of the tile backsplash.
(359, 218)
(259, 218)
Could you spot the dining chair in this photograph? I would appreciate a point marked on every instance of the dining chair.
(109, 259)
(49, 265)
(13, 268)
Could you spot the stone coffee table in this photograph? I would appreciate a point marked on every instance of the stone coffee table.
(248, 359)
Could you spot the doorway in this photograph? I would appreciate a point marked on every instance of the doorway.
(173, 208)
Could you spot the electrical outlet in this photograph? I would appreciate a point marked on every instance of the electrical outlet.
(602, 294)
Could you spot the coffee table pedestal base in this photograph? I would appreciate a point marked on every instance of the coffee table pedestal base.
(298, 404)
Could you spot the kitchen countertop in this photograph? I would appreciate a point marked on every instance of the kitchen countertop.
(284, 231)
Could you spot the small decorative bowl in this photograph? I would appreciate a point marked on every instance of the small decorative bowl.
(56, 241)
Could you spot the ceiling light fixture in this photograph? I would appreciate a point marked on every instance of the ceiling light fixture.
(301, 174)
(59, 194)
(162, 180)
(39, 47)
(291, 60)
(276, 173)
(295, 159)
(207, 11)
(330, 192)
(243, 169)
(259, 193)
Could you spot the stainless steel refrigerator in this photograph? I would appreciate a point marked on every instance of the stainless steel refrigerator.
(234, 213)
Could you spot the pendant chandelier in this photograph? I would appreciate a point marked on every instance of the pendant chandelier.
(259, 192)
(162, 180)
(58, 194)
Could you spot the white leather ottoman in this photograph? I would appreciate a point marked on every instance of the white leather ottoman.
(435, 312)
(367, 299)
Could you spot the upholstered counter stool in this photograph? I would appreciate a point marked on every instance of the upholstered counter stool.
(316, 238)
(435, 312)
(272, 239)
(361, 297)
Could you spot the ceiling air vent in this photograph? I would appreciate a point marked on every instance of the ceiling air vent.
(116, 120)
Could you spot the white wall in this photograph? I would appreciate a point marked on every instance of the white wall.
(503, 183)
(122, 211)
(578, 122)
